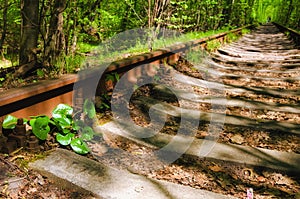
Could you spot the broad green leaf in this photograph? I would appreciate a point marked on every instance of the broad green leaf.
(9, 122)
(37, 116)
(89, 108)
(64, 122)
(117, 76)
(62, 110)
(79, 146)
(87, 133)
(66, 131)
(64, 139)
(40, 127)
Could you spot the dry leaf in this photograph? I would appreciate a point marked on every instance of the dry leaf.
(237, 139)
(261, 179)
(215, 168)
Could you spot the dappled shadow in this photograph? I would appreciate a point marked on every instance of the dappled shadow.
(246, 157)
(277, 93)
(233, 176)
(229, 119)
(265, 158)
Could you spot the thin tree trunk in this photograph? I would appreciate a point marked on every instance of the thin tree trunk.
(29, 36)
(55, 44)
(4, 29)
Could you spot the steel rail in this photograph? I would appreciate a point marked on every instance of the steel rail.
(292, 33)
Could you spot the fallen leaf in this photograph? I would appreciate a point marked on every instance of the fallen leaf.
(237, 139)
(261, 179)
(215, 168)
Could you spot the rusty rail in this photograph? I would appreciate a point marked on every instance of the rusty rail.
(292, 33)
(46, 93)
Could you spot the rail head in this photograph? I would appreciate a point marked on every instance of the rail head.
(295, 35)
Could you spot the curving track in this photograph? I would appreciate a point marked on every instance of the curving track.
(247, 97)
(244, 97)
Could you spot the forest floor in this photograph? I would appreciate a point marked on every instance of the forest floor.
(17, 181)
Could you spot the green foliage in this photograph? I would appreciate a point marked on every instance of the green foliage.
(86, 24)
(62, 117)
(66, 129)
(245, 31)
(71, 63)
(40, 72)
(156, 79)
(114, 77)
(40, 126)
(283, 12)
(62, 110)
(213, 45)
(79, 146)
(84, 47)
(9, 122)
(195, 56)
(231, 37)
(87, 133)
(5, 64)
(142, 47)
(89, 109)
(103, 102)
(64, 139)
(2, 79)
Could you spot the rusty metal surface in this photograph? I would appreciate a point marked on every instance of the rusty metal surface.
(19, 98)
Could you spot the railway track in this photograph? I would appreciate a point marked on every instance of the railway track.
(246, 97)
(224, 123)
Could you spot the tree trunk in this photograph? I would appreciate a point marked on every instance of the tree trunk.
(29, 36)
(4, 28)
(156, 10)
(55, 44)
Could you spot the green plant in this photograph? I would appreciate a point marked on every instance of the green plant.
(40, 126)
(86, 47)
(89, 109)
(40, 73)
(213, 45)
(10, 122)
(103, 102)
(245, 31)
(67, 127)
(62, 124)
(2, 79)
(114, 77)
(72, 63)
(230, 37)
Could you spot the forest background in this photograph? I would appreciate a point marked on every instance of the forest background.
(54, 35)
